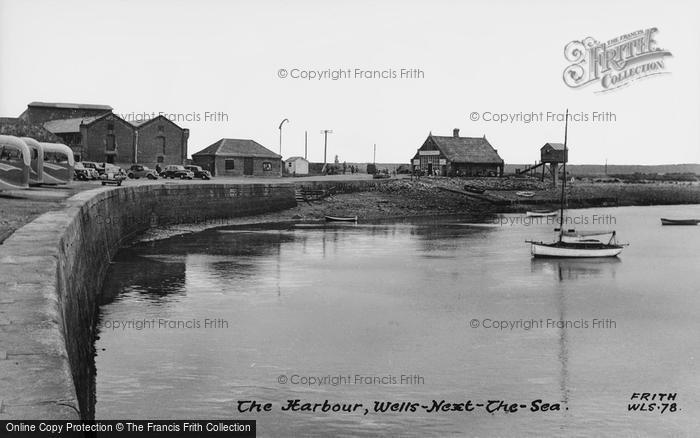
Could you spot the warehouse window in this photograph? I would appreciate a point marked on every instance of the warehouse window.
(229, 165)
(161, 145)
(267, 166)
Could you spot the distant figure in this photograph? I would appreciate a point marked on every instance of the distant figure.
(158, 168)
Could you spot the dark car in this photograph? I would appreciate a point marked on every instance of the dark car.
(84, 173)
(177, 171)
(199, 172)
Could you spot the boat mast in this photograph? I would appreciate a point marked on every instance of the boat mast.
(563, 181)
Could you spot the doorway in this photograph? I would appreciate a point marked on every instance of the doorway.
(247, 166)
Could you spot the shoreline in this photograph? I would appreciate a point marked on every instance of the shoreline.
(403, 199)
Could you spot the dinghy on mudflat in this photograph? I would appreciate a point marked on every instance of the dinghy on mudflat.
(341, 218)
(541, 213)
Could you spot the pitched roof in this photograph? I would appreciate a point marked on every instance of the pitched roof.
(20, 128)
(555, 146)
(232, 147)
(70, 105)
(467, 149)
(294, 159)
(62, 126)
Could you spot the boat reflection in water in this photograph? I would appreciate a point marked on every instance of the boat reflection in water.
(576, 269)
(563, 271)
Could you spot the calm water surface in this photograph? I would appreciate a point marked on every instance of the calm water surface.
(398, 298)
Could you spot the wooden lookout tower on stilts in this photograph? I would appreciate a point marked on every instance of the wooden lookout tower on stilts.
(552, 154)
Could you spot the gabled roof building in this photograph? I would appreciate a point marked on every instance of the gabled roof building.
(457, 156)
(237, 157)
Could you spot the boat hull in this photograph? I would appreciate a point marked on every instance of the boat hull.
(341, 219)
(574, 250)
(665, 221)
(541, 213)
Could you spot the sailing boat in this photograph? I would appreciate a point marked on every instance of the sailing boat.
(566, 246)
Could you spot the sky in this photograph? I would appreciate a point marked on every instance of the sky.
(190, 58)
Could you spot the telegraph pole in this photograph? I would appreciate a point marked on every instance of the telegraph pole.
(325, 133)
(374, 157)
(306, 143)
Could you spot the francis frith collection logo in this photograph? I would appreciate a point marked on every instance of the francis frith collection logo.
(615, 63)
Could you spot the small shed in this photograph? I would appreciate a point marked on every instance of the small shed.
(237, 157)
(553, 153)
(296, 166)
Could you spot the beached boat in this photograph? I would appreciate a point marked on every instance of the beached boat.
(341, 219)
(36, 167)
(58, 163)
(572, 244)
(15, 162)
(665, 221)
(473, 189)
(525, 194)
(541, 213)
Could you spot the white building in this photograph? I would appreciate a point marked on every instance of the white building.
(296, 166)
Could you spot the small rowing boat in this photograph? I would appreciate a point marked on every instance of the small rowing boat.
(665, 221)
(541, 213)
(341, 219)
(525, 194)
(473, 189)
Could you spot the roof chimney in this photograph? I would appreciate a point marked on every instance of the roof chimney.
(455, 132)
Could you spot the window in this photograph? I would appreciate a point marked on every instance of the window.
(267, 166)
(109, 158)
(160, 159)
(111, 143)
(229, 165)
(110, 126)
(161, 144)
(160, 128)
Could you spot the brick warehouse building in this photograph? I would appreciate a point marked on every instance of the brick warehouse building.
(457, 156)
(234, 157)
(95, 133)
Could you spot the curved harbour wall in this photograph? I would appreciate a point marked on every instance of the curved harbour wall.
(51, 273)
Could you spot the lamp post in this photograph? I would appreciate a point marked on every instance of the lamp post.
(281, 160)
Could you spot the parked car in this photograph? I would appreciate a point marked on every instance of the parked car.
(97, 167)
(199, 172)
(113, 175)
(137, 171)
(83, 173)
(177, 171)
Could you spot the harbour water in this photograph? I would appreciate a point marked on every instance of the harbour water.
(421, 310)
